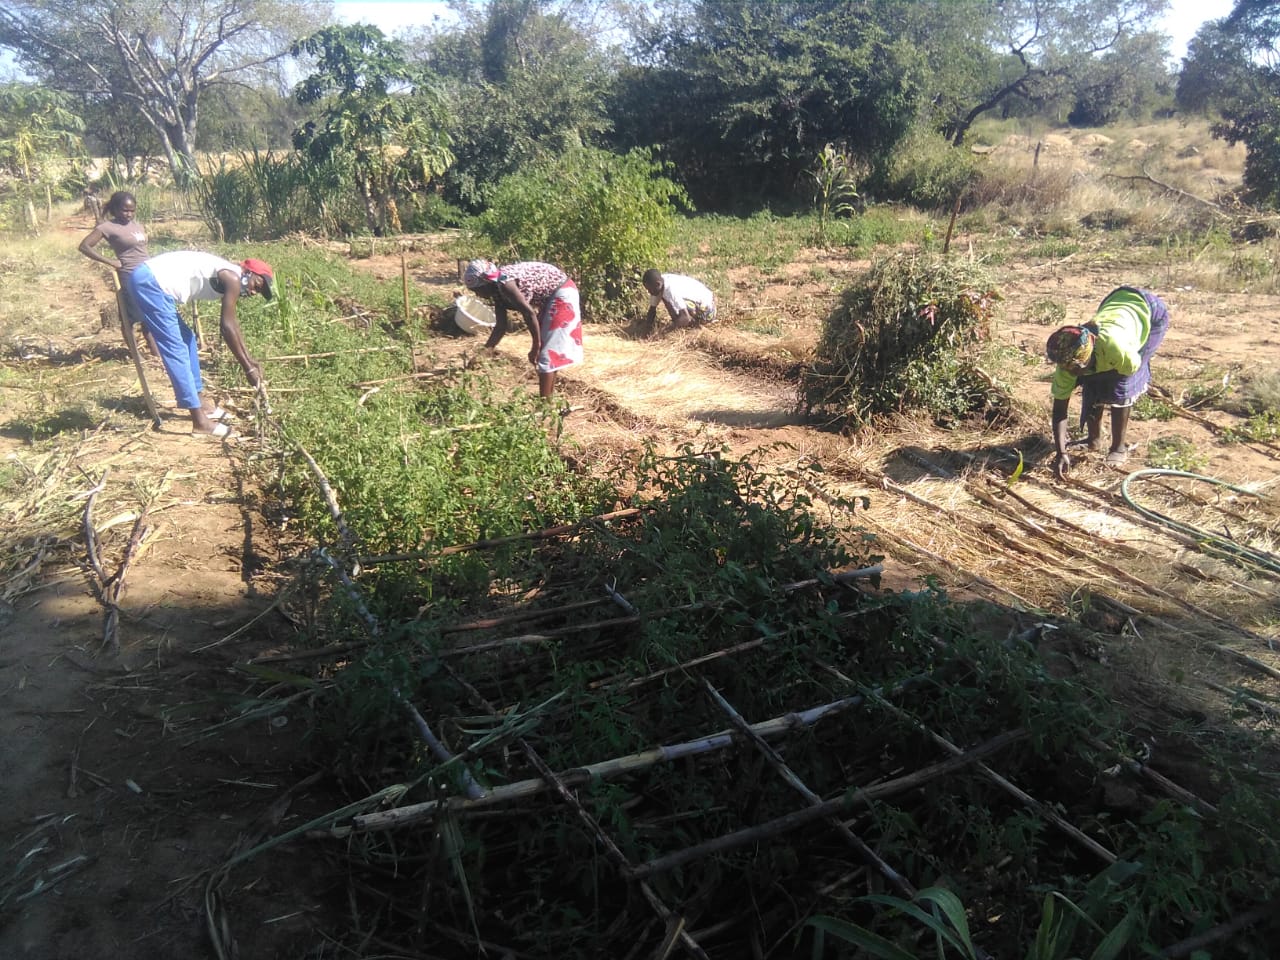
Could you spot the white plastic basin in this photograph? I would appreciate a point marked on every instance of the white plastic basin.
(473, 315)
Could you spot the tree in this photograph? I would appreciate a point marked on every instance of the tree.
(38, 132)
(1050, 42)
(1247, 44)
(378, 113)
(526, 82)
(156, 58)
(1121, 82)
(742, 96)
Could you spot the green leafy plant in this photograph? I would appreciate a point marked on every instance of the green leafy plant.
(1045, 310)
(1148, 407)
(835, 176)
(1065, 929)
(602, 218)
(1175, 453)
(1261, 427)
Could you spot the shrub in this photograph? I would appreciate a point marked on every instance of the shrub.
(900, 340)
(601, 217)
(926, 170)
(1261, 393)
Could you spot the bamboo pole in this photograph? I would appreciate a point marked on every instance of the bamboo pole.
(605, 769)
(800, 818)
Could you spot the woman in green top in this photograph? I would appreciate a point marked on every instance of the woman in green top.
(1110, 357)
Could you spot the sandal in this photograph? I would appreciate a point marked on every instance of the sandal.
(220, 431)
(1117, 458)
(218, 413)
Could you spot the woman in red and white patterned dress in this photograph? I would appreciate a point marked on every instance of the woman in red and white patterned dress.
(546, 299)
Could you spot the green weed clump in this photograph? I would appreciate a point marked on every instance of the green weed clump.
(1260, 428)
(1175, 453)
(1148, 407)
(905, 339)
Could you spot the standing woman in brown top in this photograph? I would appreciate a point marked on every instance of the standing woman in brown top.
(128, 242)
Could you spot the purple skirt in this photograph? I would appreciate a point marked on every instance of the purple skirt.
(1112, 389)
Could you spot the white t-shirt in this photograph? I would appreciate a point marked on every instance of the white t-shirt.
(188, 274)
(685, 293)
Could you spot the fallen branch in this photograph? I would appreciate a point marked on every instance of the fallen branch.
(1145, 177)
(1185, 948)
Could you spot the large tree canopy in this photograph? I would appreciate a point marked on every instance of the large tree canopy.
(1232, 66)
(158, 57)
(1050, 44)
(742, 95)
(526, 80)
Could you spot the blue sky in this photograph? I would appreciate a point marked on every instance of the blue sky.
(1181, 22)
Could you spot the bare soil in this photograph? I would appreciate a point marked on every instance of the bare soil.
(113, 795)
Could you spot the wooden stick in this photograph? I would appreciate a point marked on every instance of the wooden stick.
(800, 818)
(1007, 786)
(1179, 793)
(490, 622)
(115, 586)
(421, 375)
(195, 322)
(332, 353)
(1222, 648)
(1072, 551)
(90, 535)
(131, 344)
(1025, 604)
(1252, 703)
(473, 790)
(771, 756)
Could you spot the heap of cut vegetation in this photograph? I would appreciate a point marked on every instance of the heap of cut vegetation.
(906, 338)
(562, 721)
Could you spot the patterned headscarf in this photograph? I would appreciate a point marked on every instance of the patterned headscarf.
(1070, 346)
(480, 272)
